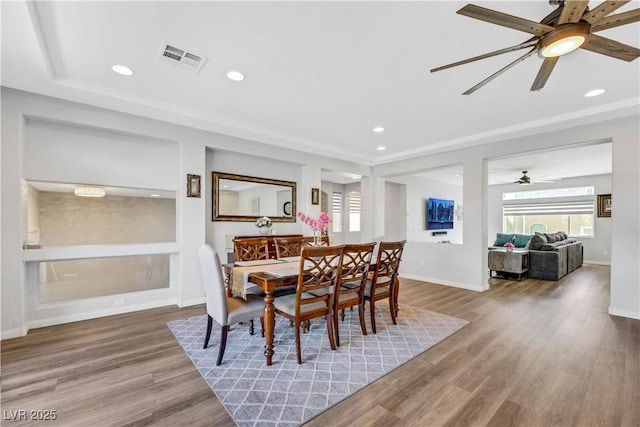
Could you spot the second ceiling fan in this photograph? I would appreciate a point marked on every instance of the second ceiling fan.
(571, 26)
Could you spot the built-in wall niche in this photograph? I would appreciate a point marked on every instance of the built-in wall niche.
(56, 216)
(60, 281)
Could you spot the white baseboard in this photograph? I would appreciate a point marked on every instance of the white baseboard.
(12, 333)
(624, 313)
(596, 262)
(446, 283)
(193, 301)
(76, 317)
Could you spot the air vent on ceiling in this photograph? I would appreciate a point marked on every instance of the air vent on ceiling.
(181, 58)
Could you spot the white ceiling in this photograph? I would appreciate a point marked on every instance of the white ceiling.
(319, 75)
(541, 166)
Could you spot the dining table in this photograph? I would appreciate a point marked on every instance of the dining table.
(269, 275)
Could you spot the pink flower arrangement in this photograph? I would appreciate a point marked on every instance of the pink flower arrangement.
(509, 245)
(320, 224)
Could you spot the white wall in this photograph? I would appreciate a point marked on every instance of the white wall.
(105, 133)
(57, 152)
(418, 190)
(459, 265)
(395, 212)
(243, 164)
(467, 263)
(597, 249)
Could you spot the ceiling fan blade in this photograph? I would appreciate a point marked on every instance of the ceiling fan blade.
(572, 11)
(528, 43)
(611, 48)
(617, 20)
(509, 21)
(602, 10)
(544, 73)
(497, 73)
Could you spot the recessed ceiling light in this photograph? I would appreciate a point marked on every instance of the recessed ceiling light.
(381, 148)
(594, 92)
(457, 174)
(154, 195)
(378, 129)
(236, 76)
(122, 70)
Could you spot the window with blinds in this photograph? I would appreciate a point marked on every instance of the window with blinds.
(574, 217)
(355, 204)
(336, 212)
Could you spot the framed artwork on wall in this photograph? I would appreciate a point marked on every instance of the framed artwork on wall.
(439, 214)
(604, 205)
(193, 185)
(315, 196)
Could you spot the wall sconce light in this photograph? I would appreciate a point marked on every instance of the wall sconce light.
(89, 191)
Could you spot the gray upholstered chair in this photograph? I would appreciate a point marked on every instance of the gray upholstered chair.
(223, 309)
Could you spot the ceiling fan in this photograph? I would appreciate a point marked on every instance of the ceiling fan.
(569, 27)
(526, 180)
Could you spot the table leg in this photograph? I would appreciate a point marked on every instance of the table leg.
(269, 323)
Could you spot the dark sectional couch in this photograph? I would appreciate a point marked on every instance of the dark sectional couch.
(551, 255)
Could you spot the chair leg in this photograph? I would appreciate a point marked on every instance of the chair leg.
(262, 326)
(208, 334)
(223, 343)
(372, 314)
(251, 327)
(332, 340)
(397, 290)
(392, 309)
(336, 327)
(298, 349)
(363, 327)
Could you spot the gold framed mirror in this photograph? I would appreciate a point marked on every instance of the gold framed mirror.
(247, 198)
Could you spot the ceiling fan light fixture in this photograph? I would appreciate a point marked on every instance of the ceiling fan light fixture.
(563, 40)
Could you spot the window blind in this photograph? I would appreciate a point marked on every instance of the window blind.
(562, 208)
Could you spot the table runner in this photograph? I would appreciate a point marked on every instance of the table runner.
(240, 275)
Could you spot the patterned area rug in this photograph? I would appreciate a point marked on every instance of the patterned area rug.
(288, 394)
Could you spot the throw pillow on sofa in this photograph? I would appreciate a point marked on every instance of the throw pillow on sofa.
(538, 241)
(502, 238)
(521, 240)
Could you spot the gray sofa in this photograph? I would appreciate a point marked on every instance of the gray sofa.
(553, 255)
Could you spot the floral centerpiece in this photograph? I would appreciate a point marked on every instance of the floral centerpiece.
(264, 224)
(318, 225)
(509, 246)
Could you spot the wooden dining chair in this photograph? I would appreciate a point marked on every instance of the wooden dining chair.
(349, 290)
(310, 240)
(383, 282)
(225, 310)
(288, 246)
(319, 271)
(251, 248)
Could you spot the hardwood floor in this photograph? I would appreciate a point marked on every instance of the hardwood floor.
(537, 353)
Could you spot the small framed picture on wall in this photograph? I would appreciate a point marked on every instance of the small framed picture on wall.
(193, 185)
(604, 205)
(315, 196)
